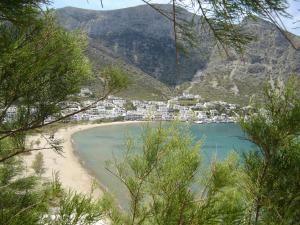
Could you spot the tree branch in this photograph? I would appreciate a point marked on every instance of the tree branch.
(39, 125)
(21, 151)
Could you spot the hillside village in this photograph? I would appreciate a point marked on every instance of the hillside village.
(186, 107)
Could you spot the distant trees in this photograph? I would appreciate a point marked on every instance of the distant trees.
(129, 106)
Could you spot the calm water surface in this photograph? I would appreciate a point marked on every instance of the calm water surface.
(98, 145)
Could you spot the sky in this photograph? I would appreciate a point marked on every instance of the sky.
(118, 4)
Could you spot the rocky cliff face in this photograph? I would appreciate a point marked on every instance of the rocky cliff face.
(142, 38)
(236, 78)
(269, 54)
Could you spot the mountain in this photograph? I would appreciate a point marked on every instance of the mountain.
(141, 85)
(269, 57)
(140, 36)
(142, 40)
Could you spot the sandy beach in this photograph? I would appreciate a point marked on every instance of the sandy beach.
(71, 172)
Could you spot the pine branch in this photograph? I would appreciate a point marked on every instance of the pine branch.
(21, 151)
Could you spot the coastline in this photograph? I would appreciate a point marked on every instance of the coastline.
(72, 173)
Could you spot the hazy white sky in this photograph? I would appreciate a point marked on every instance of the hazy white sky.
(118, 4)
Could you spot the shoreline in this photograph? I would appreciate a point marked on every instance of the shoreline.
(71, 169)
(73, 173)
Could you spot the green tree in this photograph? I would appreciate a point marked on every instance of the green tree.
(161, 175)
(129, 106)
(263, 188)
(273, 168)
(41, 66)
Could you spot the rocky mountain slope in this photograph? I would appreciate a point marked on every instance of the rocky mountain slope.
(142, 40)
(140, 36)
(269, 57)
(141, 85)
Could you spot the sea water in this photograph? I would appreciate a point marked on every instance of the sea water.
(99, 145)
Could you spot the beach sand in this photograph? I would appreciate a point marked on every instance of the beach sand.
(72, 174)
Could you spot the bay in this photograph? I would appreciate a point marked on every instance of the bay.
(96, 146)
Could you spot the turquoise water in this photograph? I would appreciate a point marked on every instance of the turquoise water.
(98, 145)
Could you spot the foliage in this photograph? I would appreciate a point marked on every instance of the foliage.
(21, 12)
(187, 102)
(224, 89)
(21, 202)
(161, 179)
(29, 200)
(159, 191)
(274, 168)
(223, 19)
(223, 198)
(129, 106)
(74, 208)
(114, 78)
(42, 65)
(264, 189)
